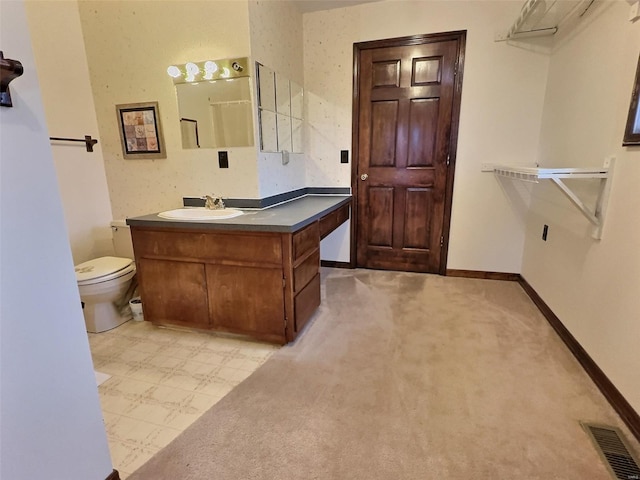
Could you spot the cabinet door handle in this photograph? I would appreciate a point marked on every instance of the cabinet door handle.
(364, 176)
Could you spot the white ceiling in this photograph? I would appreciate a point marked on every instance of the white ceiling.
(306, 6)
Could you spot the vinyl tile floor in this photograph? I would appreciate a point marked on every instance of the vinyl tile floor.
(161, 381)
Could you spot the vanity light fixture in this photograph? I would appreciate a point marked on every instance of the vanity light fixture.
(210, 70)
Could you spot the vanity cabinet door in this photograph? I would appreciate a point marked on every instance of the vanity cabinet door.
(247, 300)
(174, 292)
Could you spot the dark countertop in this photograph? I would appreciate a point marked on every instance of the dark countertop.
(286, 217)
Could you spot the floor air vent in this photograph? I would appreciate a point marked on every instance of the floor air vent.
(614, 450)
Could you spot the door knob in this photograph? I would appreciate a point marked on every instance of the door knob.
(364, 176)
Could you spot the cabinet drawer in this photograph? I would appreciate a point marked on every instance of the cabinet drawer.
(202, 246)
(305, 240)
(306, 302)
(306, 270)
(333, 220)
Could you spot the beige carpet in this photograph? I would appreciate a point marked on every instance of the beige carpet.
(404, 376)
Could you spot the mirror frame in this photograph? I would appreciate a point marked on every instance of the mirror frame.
(631, 135)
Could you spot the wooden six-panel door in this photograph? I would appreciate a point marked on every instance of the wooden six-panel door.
(407, 98)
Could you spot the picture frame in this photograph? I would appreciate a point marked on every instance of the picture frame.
(141, 131)
(632, 128)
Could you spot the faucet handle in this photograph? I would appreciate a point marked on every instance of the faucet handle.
(213, 202)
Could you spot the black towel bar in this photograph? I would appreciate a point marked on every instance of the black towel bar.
(88, 141)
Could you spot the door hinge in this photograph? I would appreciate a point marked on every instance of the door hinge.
(448, 159)
(441, 240)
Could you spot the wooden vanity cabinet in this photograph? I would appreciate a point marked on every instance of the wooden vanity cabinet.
(262, 284)
(210, 279)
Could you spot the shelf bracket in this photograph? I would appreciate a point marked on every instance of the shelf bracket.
(592, 217)
(596, 217)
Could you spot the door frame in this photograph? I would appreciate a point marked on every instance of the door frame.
(459, 36)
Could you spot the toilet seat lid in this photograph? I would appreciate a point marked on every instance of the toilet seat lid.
(102, 269)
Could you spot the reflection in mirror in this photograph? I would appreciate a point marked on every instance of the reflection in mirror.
(267, 90)
(267, 109)
(296, 100)
(283, 95)
(284, 133)
(296, 135)
(218, 113)
(268, 131)
(280, 109)
(189, 131)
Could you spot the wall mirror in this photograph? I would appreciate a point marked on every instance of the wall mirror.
(214, 103)
(632, 129)
(280, 104)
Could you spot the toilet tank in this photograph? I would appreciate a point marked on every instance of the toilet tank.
(122, 239)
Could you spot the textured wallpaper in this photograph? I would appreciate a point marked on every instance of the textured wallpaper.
(502, 98)
(328, 45)
(129, 47)
(276, 42)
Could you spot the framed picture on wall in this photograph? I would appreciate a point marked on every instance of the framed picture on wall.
(632, 129)
(140, 131)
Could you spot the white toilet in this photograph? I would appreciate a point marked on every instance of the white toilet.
(106, 282)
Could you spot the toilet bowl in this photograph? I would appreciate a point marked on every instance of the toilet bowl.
(103, 284)
(106, 284)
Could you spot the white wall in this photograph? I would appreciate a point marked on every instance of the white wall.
(68, 101)
(276, 42)
(51, 421)
(502, 98)
(129, 46)
(591, 285)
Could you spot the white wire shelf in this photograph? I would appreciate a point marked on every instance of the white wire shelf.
(530, 174)
(556, 175)
(544, 17)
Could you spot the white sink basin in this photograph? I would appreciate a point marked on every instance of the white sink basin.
(200, 213)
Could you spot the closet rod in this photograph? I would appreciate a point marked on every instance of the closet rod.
(87, 140)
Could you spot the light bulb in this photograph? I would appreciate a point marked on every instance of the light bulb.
(174, 71)
(209, 69)
(192, 71)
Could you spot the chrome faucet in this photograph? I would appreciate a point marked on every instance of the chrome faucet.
(213, 202)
